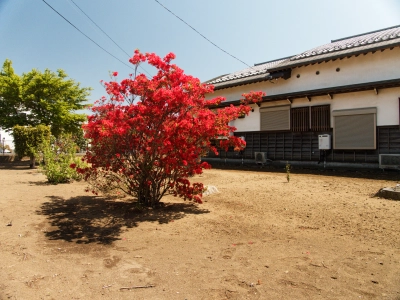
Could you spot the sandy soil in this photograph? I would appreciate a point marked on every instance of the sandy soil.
(320, 236)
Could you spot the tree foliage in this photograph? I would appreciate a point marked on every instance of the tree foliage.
(148, 136)
(29, 141)
(11, 104)
(79, 139)
(46, 98)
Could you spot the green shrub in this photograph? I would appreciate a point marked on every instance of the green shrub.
(30, 141)
(58, 155)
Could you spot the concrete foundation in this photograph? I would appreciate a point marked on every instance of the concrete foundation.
(301, 164)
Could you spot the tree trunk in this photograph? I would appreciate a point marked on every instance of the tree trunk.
(32, 162)
(145, 196)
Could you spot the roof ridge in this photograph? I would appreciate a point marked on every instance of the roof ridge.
(361, 34)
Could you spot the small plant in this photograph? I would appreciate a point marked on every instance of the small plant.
(58, 156)
(287, 169)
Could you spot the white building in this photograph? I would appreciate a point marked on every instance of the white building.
(6, 139)
(348, 89)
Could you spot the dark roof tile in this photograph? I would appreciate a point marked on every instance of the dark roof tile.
(258, 72)
(365, 42)
(353, 45)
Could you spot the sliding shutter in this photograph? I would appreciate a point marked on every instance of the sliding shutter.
(354, 129)
(275, 118)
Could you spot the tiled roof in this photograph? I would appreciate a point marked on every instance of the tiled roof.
(258, 72)
(362, 43)
(366, 42)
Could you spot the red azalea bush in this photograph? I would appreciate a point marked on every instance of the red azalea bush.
(148, 136)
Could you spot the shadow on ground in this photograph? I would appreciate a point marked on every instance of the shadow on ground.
(11, 162)
(15, 166)
(90, 219)
(41, 183)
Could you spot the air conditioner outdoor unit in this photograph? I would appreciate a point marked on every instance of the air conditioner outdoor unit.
(261, 157)
(389, 161)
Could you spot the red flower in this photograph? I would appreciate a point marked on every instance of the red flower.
(115, 74)
(73, 166)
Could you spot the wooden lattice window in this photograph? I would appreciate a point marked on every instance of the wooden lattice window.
(320, 118)
(300, 118)
(314, 118)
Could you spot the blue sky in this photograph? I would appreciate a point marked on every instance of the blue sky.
(32, 35)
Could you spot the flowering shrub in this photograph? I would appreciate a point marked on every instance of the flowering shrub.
(148, 136)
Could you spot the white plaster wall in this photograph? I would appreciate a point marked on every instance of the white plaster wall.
(354, 70)
(250, 122)
(386, 102)
(235, 93)
(371, 67)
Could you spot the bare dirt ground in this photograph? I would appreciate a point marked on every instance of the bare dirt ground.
(320, 236)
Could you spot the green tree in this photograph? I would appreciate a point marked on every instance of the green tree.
(46, 98)
(29, 141)
(11, 104)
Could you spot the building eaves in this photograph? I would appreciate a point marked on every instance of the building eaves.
(257, 73)
(329, 91)
(242, 81)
